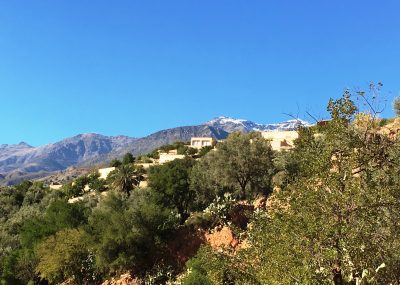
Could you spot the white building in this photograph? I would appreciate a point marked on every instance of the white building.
(104, 172)
(166, 157)
(199, 142)
(281, 140)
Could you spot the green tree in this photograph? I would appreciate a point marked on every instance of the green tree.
(95, 183)
(179, 146)
(128, 158)
(191, 151)
(170, 182)
(243, 163)
(34, 194)
(24, 186)
(396, 106)
(204, 150)
(115, 163)
(28, 223)
(64, 256)
(126, 177)
(76, 188)
(127, 233)
(154, 154)
(7, 270)
(59, 215)
(337, 219)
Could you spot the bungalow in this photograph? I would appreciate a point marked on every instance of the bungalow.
(199, 142)
(281, 140)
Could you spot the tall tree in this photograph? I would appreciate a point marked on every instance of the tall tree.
(170, 183)
(126, 233)
(128, 158)
(242, 163)
(337, 220)
(126, 177)
(64, 256)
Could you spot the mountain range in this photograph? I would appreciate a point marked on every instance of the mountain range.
(22, 161)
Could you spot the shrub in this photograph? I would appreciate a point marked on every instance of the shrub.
(196, 278)
(220, 209)
(204, 150)
(65, 256)
(212, 267)
(396, 106)
(128, 158)
(200, 220)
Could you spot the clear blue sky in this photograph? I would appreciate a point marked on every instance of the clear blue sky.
(135, 67)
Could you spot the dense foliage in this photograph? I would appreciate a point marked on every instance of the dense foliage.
(242, 164)
(170, 183)
(332, 214)
(334, 218)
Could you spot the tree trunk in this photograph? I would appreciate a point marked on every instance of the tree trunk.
(242, 193)
(337, 276)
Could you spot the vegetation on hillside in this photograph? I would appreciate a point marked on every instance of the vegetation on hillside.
(332, 214)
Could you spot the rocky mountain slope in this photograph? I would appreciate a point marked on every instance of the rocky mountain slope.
(239, 125)
(23, 161)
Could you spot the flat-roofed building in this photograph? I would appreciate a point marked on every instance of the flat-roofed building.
(55, 186)
(105, 171)
(281, 140)
(199, 142)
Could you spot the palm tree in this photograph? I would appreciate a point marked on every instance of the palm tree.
(126, 177)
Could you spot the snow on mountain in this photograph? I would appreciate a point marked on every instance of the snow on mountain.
(19, 160)
(239, 125)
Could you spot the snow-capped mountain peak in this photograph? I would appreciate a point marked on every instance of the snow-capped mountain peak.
(239, 125)
(224, 119)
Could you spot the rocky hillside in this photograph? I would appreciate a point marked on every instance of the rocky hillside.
(23, 161)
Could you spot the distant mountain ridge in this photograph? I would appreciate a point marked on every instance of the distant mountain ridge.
(239, 125)
(22, 161)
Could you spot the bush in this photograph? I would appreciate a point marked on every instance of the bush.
(204, 150)
(115, 163)
(220, 209)
(96, 183)
(396, 106)
(212, 267)
(154, 154)
(65, 256)
(145, 159)
(128, 158)
(200, 220)
(59, 215)
(76, 188)
(159, 275)
(196, 278)
(127, 233)
(7, 269)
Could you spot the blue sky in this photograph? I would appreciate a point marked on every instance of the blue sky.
(135, 67)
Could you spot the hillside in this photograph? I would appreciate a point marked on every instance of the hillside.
(241, 214)
(22, 161)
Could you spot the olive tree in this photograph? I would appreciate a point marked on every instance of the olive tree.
(337, 220)
(243, 164)
(64, 256)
